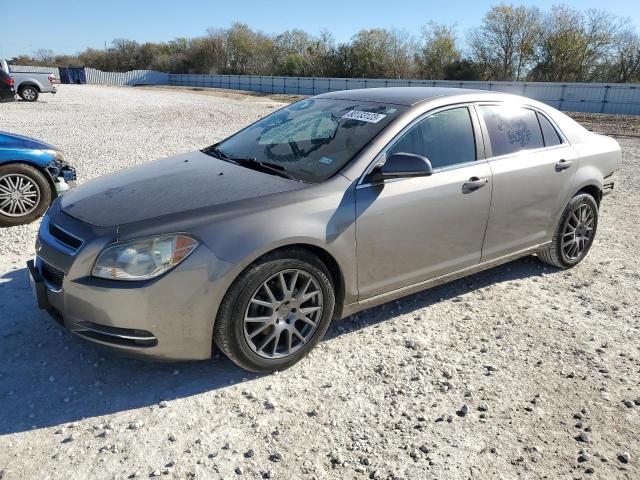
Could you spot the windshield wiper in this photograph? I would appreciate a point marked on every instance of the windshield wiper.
(215, 152)
(250, 162)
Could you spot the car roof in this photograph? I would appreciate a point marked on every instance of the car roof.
(400, 95)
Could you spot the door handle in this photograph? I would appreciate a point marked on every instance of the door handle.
(474, 184)
(562, 165)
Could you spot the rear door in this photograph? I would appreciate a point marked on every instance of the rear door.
(533, 168)
(414, 229)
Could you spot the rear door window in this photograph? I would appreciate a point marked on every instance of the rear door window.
(446, 138)
(511, 129)
(549, 133)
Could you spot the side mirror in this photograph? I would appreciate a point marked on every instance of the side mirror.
(402, 165)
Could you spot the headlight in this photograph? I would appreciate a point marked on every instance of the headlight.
(57, 155)
(144, 258)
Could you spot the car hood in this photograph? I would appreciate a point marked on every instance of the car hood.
(12, 140)
(175, 184)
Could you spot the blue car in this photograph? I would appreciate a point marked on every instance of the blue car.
(32, 175)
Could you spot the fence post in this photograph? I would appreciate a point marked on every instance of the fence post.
(604, 97)
(564, 87)
(298, 85)
(313, 85)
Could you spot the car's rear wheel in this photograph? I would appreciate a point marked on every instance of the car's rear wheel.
(276, 311)
(25, 194)
(574, 234)
(28, 93)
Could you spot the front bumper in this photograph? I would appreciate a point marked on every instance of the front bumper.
(62, 175)
(167, 318)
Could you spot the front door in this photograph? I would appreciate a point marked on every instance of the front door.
(414, 229)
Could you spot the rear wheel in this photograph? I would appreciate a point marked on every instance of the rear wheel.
(574, 234)
(276, 311)
(28, 93)
(25, 194)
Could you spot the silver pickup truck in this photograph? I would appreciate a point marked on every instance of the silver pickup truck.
(29, 85)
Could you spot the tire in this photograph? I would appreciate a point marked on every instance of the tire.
(35, 197)
(232, 334)
(29, 93)
(568, 256)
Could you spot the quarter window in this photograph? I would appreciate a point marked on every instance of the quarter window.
(549, 133)
(511, 129)
(446, 138)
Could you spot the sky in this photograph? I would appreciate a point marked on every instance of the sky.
(71, 26)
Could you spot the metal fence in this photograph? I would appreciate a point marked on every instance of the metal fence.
(133, 77)
(575, 97)
(621, 98)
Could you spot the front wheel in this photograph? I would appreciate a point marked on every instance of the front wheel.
(276, 311)
(28, 93)
(25, 194)
(574, 234)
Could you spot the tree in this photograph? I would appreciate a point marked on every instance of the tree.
(438, 51)
(23, 60)
(575, 46)
(462, 70)
(249, 52)
(293, 49)
(323, 55)
(625, 61)
(45, 56)
(380, 53)
(504, 45)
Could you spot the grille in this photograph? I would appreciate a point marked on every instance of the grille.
(52, 275)
(65, 238)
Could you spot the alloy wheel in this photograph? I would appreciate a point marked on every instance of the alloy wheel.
(578, 232)
(19, 195)
(29, 94)
(283, 313)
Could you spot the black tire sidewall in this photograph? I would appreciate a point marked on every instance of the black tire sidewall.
(45, 193)
(35, 91)
(574, 204)
(241, 293)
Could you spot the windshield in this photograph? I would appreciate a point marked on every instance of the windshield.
(313, 139)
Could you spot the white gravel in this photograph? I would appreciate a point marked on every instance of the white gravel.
(520, 371)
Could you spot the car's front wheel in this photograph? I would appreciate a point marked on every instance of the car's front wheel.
(28, 93)
(574, 234)
(276, 311)
(25, 194)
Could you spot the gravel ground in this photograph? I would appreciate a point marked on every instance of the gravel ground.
(521, 371)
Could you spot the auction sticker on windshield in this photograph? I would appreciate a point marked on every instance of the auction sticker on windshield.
(364, 116)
